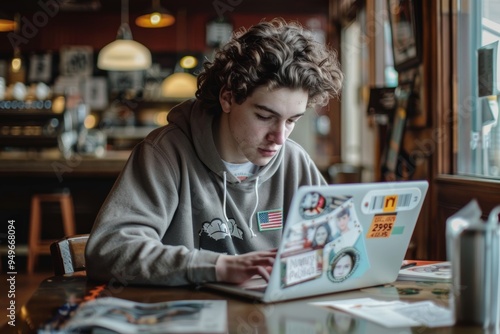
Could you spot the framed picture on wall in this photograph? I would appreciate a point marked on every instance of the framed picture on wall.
(76, 60)
(40, 68)
(121, 81)
(406, 32)
(95, 92)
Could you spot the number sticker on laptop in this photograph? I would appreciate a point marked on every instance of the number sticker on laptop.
(381, 226)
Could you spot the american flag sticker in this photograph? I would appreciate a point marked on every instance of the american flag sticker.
(270, 220)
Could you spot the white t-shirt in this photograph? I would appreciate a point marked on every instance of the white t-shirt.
(242, 171)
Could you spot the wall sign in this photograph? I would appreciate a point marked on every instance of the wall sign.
(218, 31)
(77, 60)
(40, 68)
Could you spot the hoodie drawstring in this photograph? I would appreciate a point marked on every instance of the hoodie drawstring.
(224, 199)
(250, 221)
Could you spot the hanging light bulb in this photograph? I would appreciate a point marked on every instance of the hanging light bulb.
(188, 62)
(16, 63)
(17, 70)
(124, 54)
(155, 17)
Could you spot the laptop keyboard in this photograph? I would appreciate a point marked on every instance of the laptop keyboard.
(259, 288)
(255, 284)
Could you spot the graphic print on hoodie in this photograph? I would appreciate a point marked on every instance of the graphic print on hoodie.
(217, 235)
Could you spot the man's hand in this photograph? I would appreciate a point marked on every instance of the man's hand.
(239, 268)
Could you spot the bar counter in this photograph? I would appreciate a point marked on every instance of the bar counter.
(87, 177)
(52, 163)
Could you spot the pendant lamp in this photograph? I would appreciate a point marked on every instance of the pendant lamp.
(124, 54)
(7, 22)
(155, 17)
(181, 84)
(17, 68)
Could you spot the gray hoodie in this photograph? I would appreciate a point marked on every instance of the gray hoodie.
(175, 208)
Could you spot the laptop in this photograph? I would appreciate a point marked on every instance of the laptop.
(339, 237)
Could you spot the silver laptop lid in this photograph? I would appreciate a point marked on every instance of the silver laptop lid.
(345, 236)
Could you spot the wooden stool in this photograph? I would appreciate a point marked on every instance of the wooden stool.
(36, 245)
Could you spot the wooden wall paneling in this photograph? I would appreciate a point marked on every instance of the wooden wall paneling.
(135, 7)
(453, 193)
(440, 97)
(332, 141)
(373, 24)
(99, 29)
(431, 147)
(443, 87)
(434, 98)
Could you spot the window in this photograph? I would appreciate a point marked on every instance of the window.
(478, 146)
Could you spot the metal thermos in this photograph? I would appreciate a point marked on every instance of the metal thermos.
(475, 270)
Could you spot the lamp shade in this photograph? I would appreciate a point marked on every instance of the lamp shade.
(8, 22)
(124, 54)
(7, 25)
(179, 85)
(155, 17)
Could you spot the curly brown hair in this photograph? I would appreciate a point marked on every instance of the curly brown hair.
(275, 54)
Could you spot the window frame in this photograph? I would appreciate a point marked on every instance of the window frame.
(450, 191)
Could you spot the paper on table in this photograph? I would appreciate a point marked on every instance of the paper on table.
(125, 316)
(394, 313)
(434, 272)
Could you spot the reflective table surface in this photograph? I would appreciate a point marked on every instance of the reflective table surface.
(244, 316)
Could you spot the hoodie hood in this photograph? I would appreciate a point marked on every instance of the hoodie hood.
(197, 123)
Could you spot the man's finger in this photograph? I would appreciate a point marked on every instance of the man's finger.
(265, 273)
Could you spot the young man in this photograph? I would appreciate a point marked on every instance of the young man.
(204, 198)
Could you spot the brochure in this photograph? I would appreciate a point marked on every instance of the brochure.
(124, 316)
(434, 272)
(394, 313)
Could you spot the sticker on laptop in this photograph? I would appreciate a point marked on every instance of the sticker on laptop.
(311, 245)
(314, 205)
(301, 267)
(390, 200)
(382, 226)
(348, 241)
(343, 264)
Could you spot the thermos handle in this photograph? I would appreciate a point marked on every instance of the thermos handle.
(493, 269)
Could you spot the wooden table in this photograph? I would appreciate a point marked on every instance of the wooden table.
(244, 316)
